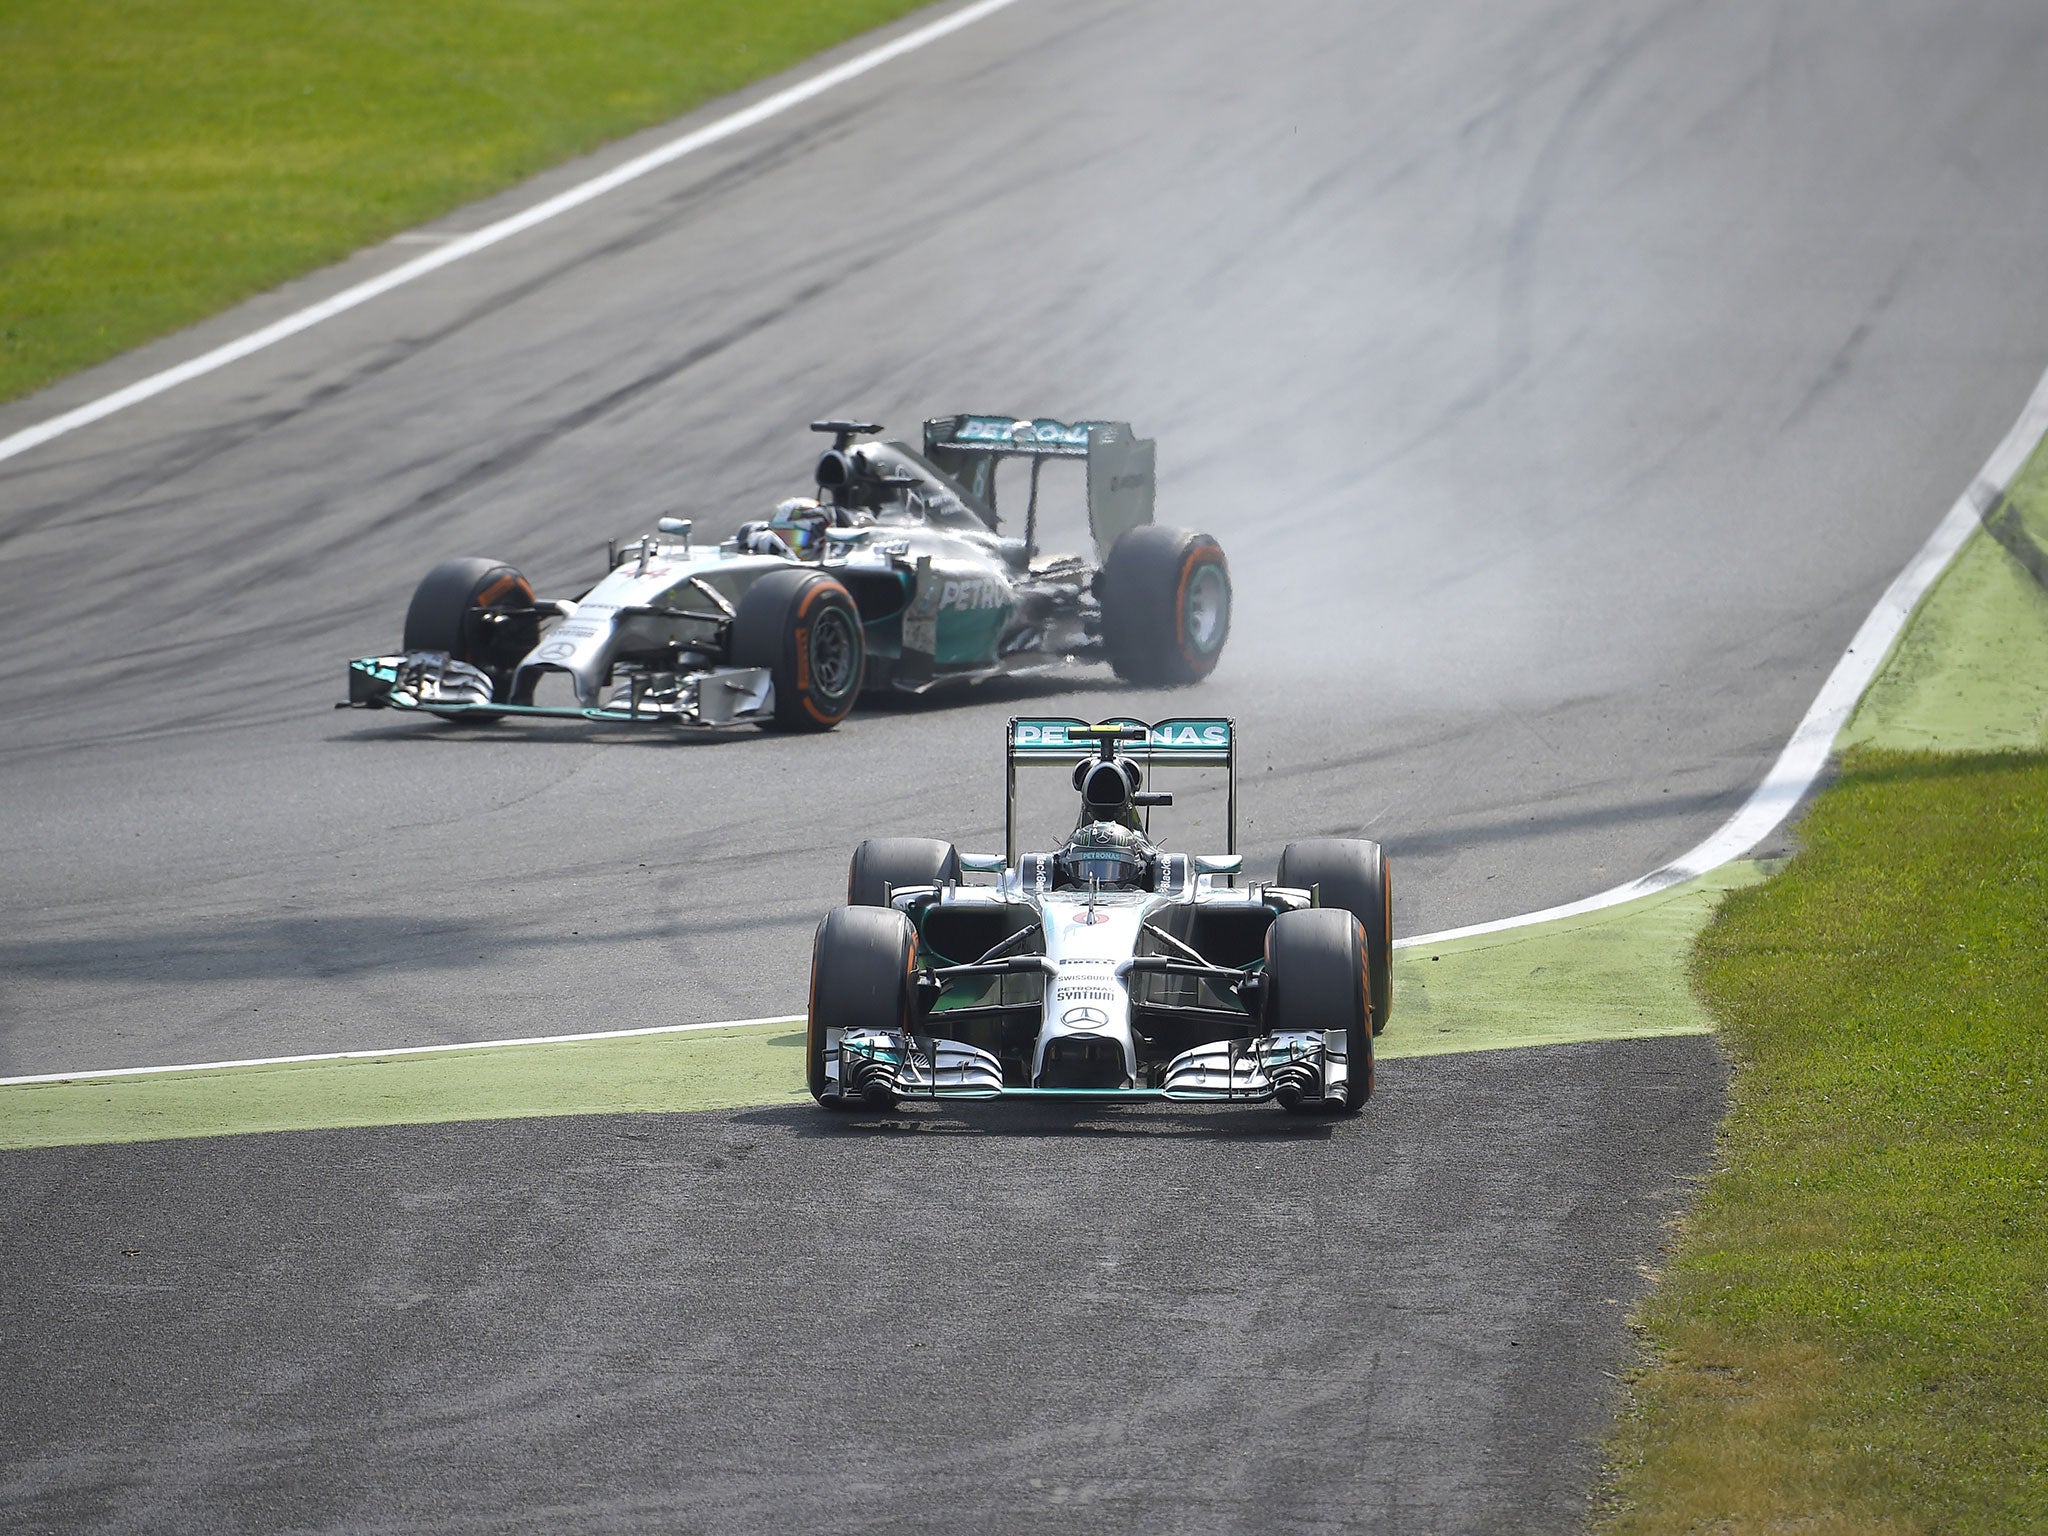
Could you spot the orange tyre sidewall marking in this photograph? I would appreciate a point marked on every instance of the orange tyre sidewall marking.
(1180, 608)
(1197, 557)
(802, 634)
(498, 588)
(1365, 982)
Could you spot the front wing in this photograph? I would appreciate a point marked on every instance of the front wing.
(881, 1066)
(440, 685)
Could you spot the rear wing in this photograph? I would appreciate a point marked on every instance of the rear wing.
(1120, 465)
(1204, 741)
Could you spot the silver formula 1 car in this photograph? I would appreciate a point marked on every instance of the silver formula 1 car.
(1108, 967)
(897, 576)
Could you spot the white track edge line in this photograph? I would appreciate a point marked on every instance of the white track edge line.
(491, 234)
(1806, 754)
(1791, 776)
(401, 1050)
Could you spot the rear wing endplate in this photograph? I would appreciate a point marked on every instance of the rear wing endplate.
(1120, 463)
(1193, 741)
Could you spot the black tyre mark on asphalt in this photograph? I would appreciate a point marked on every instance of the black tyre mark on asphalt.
(2003, 520)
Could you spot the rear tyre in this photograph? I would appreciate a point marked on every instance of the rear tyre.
(1352, 873)
(863, 971)
(880, 863)
(1165, 605)
(1315, 979)
(478, 611)
(802, 626)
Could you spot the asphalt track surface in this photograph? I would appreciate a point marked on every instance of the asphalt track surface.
(915, 1336)
(1564, 385)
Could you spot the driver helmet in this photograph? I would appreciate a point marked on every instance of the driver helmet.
(801, 523)
(1104, 854)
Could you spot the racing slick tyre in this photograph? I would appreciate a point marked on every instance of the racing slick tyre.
(1165, 605)
(1352, 873)
(804, 628)
(478, 611)
(881, 863)
(863, 976)
(1315, 979)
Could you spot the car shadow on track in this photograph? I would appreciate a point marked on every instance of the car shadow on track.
(1040, 1120)
(420, 727)
(996, 690)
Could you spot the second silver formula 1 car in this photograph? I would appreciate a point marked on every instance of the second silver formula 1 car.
(897, 576)
(1108, 967)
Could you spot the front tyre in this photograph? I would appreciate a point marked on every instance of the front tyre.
(882, 864)
(803, 627)
(1165, 606)
(1351, 873)
(478, 611)
(863, 976)
(1315, 980)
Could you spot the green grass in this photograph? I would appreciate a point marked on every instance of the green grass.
(166, 158)
(1854, 1333)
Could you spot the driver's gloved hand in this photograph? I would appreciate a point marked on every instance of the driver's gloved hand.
(760, 539)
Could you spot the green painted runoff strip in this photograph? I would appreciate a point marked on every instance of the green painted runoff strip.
(1612, 975)
(1970, 671)
(1849, 1335)
(712, 1069)
(1619, 974)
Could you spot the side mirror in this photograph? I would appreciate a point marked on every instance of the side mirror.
(1219, 863)
(982, 863)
